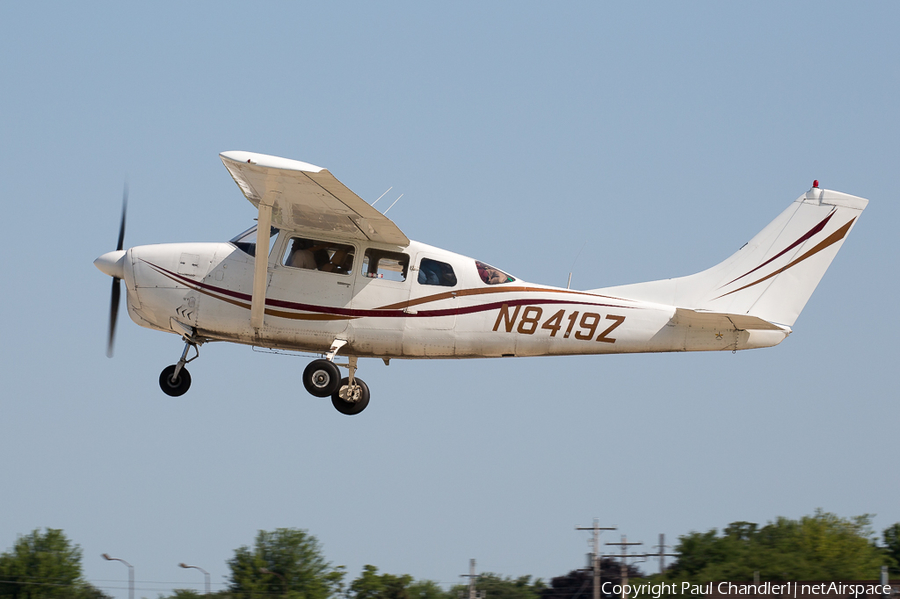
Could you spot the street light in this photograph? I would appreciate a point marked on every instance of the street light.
(205, 574)
(283, 579)
(130, 573)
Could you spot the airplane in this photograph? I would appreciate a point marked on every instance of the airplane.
(336, 277)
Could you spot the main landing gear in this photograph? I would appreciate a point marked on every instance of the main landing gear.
(349, 395)
(175, 380)
(322, 378)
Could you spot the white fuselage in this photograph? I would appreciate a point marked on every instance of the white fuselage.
(207, 288)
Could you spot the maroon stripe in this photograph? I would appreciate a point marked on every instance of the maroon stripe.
(806, 237)
(356, 313)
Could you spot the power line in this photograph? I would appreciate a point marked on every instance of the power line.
(595, 554)
(624, 565)
(473, 594)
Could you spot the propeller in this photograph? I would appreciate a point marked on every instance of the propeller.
(116, 290)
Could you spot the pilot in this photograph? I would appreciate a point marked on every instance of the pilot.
(339, 263)
(301, 256)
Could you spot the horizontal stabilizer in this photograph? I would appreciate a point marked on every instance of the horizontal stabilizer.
(691, 330)
(721, 321)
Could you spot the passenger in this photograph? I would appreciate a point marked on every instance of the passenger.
(429, 272)
(301, 256)
(491, 275)
(448, 277)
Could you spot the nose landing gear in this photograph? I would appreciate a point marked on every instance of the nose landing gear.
(175, 380)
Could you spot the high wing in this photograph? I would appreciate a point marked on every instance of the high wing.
(305, 197)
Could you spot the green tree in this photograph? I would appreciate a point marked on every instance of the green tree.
(44, 566)
(579, 584)
(891, 537)
(372, 585)
(427, 589)
(284, 562)
(818, 547)
(498, 587)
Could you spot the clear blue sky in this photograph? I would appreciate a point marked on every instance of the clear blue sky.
(661, 136)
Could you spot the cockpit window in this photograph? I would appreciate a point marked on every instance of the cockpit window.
(432, 272)
(246, 241)
(379, 264)
(319, 255)
(491, 275)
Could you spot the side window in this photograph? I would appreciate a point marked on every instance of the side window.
(432, 272)
(491, 275)
(378, 264)
(319, 255)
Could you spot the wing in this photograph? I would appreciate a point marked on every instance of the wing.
(308, 198)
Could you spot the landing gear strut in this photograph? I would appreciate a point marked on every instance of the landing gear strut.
(175, 380)
(352, 396)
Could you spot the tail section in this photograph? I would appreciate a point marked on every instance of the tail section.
(775, 273)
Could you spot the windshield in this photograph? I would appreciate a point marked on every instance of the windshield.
(246, 241)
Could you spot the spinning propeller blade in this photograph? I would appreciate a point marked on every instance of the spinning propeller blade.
(116, 291)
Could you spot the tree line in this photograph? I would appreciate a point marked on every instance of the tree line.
(290, 563)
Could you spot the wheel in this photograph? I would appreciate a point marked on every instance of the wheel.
(351, 401)
(321, 378)
(175, 387)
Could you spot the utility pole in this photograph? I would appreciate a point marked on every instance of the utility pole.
(473, 594)
(623, 566)
(595, 554)
(662, 555)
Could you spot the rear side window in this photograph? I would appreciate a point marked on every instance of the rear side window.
(491, 275)
(433, 272)
(378, 264)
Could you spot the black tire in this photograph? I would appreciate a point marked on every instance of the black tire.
(351, 407)
(177, 387)
(321, 378)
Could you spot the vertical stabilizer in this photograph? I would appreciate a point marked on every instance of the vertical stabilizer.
(775, 273)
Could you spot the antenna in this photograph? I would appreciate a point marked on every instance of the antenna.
(571, 268)
(392, 205)
(382, 195)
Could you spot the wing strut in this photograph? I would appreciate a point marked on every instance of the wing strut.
(260, 266)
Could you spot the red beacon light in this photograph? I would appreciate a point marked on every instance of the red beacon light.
(816, 184)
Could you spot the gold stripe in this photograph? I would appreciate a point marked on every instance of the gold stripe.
(474, 291)
(830, 240)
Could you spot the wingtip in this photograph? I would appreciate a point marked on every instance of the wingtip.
(267, 161)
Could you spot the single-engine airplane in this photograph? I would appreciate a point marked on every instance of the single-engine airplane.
(337, 277)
